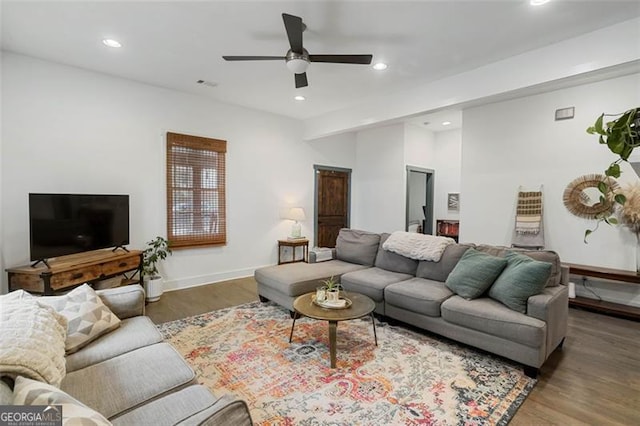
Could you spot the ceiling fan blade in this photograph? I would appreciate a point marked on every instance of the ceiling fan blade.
(301, 80)
(293, 25)
(342, 59)
(253, 58)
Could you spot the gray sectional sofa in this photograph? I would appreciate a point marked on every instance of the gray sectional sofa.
(132, 377)
(415, 293)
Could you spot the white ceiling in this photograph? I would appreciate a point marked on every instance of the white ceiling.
(174, 44)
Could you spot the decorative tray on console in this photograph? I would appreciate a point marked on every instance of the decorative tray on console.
(343, 303)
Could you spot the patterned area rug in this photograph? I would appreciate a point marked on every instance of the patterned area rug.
(408, 379)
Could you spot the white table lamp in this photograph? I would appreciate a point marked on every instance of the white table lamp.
(296, 214)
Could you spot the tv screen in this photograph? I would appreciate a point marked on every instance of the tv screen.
(61, 224)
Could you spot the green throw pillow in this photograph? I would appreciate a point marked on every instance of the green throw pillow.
(522, 278)
(474, 273)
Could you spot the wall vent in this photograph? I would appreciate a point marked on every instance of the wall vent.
(565, 113)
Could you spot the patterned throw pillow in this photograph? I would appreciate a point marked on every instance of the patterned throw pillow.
(32, 392)
(88, 317)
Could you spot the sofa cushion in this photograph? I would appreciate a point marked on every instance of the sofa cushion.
(522, 278)
(119, 384)
(295, 279)
(439, 271)
(489, 316)
(88, 317)
(474, 273)
(418, 295)
(541, 255)
(392, 261)
(193, 405)
(32, 392)
(356, 246)
(133, 333)
(371, 281)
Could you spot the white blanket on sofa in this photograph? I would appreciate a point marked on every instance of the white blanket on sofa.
(417, 246)
(31, 340)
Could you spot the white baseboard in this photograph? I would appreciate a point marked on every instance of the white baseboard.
(188, 282)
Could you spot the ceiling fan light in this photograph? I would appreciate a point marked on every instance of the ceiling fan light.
(297, 66)
(379, 66)
(299, 98)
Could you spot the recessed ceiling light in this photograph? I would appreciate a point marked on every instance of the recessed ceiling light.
(379, 66)
(446, 123)
(111, 43)
(538, 2)
(299, 98)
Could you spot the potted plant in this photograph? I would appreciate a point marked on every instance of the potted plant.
(622, 136)
(332, 289)
(157, 250)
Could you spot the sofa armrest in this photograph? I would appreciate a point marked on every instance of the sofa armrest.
(227, 410)
(564, 275)
(552, 307)
(124, 302)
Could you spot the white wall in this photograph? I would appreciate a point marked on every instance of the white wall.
(380, 177)
(448, 146)
(379, 180)
(419, 147)
(514, 143)
(71, 130)
(2, 273)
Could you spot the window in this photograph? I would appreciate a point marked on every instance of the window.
(196, 208)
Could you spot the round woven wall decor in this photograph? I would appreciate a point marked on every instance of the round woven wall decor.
(579, 203)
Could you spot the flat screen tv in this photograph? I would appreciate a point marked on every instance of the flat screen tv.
(61, 224)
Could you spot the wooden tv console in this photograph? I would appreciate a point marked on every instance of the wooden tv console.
(66, 272)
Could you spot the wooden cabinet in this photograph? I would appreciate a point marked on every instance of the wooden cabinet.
(66, 272)
(448, 228)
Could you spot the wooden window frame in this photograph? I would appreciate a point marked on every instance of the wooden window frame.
(196, 148)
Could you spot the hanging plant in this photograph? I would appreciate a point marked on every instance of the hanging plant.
(622, 136)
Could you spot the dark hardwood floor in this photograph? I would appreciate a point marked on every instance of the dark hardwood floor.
(594, 379)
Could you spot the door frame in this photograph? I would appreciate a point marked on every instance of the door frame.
(316, 172)
(430, 176)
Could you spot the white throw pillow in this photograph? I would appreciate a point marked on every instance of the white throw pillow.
(32, 340)
(31, 392)
(87, 316)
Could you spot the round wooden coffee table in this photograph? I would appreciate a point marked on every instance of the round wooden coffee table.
(361, 306)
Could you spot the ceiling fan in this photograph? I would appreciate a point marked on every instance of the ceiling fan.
(297, 58)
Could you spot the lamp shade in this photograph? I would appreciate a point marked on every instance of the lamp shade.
(297, 65)
(296, 213)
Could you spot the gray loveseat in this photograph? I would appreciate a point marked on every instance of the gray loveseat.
(132, 377)
(415, 293)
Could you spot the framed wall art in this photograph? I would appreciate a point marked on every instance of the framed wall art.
(453, 201)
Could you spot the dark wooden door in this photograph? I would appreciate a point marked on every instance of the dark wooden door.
(332, 205)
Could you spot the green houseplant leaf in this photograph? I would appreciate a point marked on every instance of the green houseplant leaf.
(157, 249)
(621, 137)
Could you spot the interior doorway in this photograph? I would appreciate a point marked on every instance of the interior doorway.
(332, 210)
(420, 195)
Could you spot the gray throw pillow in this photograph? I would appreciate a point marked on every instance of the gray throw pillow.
(522, 278)
(356, 246)
(474, 273)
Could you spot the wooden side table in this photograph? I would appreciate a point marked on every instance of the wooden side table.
(304, 243)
